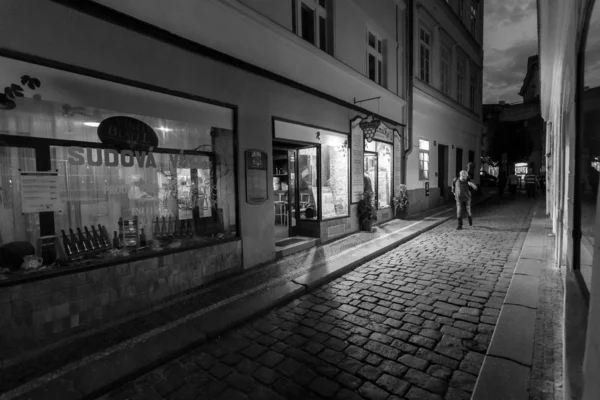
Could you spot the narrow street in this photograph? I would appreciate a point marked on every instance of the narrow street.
(412, 324)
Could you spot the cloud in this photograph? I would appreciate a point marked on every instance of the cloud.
(510, 39)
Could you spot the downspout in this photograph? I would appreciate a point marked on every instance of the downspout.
(408, 131)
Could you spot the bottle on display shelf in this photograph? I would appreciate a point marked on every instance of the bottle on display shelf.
(98, 238)
(82, 242)
(92, 242)
(68, 246)
(104, 239)
(76, 245)
(121, 243)
(115, 241)
(142, 238)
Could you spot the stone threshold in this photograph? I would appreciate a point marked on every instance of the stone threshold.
(506, 369)
(176, 328)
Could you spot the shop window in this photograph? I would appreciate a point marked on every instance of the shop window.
(424, 55)
(375, 57)
(308, 182)
(335, 161)
(423, 159)
(169, 169)
(445, 70)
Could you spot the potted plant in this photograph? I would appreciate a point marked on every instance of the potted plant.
(400, 201)
(367, 213)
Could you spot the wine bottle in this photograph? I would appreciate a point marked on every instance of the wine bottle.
(105, 242)
(121, 242)
(116, 244)
(142, 238)
(76, 245)
(91, 241)
(83, 243)
(68, 246)
(97, 238)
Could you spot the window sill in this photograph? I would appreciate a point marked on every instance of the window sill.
(19, 277)
(336, 217)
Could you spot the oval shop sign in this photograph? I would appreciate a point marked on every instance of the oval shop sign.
(127, 133)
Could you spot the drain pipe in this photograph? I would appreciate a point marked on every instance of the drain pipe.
(408, 129)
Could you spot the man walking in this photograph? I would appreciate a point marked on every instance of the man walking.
(531, 183)
(462, 194)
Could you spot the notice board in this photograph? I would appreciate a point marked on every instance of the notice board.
(257, 188)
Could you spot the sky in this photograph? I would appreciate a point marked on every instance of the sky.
(510, 37)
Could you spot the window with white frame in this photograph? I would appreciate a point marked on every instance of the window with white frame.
(423, 159)
(424, 55)
(445, 70)
(374, 57)
(312, 23)
(472, 90)
(460, 81)
(473, 17)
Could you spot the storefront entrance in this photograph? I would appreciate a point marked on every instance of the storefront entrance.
(296, 190)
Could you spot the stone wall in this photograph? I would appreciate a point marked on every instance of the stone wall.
(55, 307)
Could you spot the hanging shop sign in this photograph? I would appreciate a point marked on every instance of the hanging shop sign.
(127, 133)
(384, 133)
(256, 177)
(357, 147)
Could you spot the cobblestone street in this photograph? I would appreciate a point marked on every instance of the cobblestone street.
(412, 324)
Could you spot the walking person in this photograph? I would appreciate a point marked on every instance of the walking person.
(513, 181)
(531, 183)
(462, 193)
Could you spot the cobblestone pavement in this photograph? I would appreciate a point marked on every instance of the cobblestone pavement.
(412, 324)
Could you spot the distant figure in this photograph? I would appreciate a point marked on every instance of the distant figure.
(513, 181)
(461, 187)
(531, 183)
(501, 182)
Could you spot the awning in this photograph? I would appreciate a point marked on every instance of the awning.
(520, 112)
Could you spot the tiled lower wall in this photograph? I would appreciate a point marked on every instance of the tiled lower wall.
(419, 202)
(51, 308)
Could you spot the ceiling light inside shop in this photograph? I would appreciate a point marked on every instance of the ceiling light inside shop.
(165, 129)
(92, 124)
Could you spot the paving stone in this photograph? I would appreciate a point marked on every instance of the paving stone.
(437, 358)
(372, 392)
(346, 394)
(404, 347)
(393, 385)
(451, 352)
(350, 365)
(416, 393)
(369, 373)
(472, 363)
(348, 380)
(356, 352)
(373, 359)
(440, 372)
(246, 366)
(304, 376)
(254, 350)
(332, 356)
(393, 368)
(220, 370)
(288, 367)
(399, 334)
(382, 350)
(263, 393)
(463, 380)
(265, 375)
(244, 383)
(413, 362)
(270, 359)
(457, 394)
(425, 381)
(422, 341)
(459, 333)
(232, 394)
(336, 344)
(287, 389)
(324, 387)
(205, 361)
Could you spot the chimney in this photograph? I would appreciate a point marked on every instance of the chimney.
(502, 102)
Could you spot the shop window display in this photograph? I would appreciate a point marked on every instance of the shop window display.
(334, 172)
(378, 168)
(138, 197)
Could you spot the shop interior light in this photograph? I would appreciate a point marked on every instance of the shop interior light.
(92, 124)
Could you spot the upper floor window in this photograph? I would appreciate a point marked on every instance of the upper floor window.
(461, 10)
(473, 17)
(472, 90)
(375, 57)
(445, 70)
(312, 22)
(460, 82)
(424, 55)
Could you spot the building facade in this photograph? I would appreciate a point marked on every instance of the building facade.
(446, 97)
(563, 34)
(179, 142)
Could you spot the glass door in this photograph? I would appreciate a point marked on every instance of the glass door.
(308, 183)
(293, 199)
(371, 181)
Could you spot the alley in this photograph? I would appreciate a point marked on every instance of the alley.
(412, 324)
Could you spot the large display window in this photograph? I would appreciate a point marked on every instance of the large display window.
(335, 170)
(379, 169)
(133, 172)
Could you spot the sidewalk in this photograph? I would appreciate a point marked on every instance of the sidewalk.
(524, 360)
(92, 363)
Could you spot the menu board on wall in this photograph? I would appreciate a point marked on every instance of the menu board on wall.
(257, 190)
(39, 192)
(357, 147)
(397, 158)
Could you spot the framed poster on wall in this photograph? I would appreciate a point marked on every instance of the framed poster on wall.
(257, 188)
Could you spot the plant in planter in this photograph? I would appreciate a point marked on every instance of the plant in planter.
(367, 213)
(400, 201)
(13, 91)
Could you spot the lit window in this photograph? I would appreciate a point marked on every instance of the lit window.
(312, 22)
(374, 57)
(445, 70)
(460, 82)
(423, 159)
(424, 55)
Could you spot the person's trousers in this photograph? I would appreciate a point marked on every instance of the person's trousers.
(530, 190)
(513, 189)
(463, 205)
